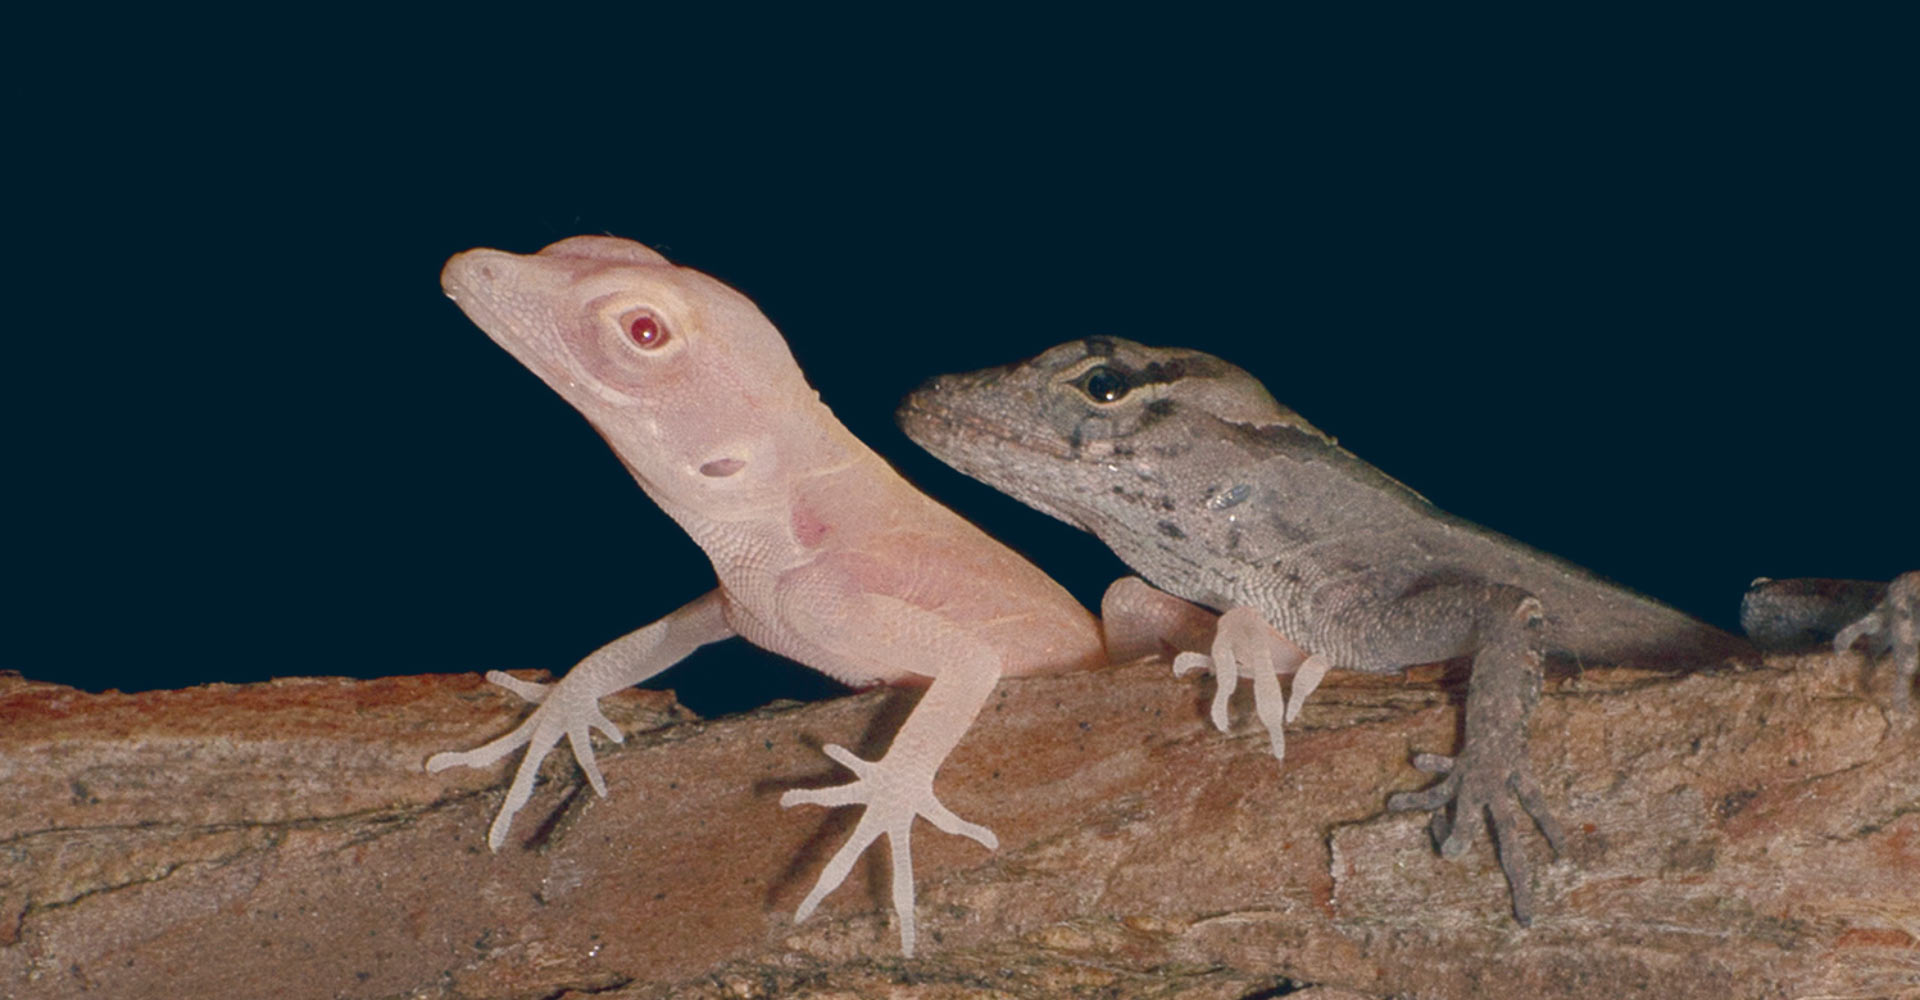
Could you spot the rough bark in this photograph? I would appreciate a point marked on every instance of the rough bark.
(1739, 833)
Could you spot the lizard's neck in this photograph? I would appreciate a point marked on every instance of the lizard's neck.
(818, 479)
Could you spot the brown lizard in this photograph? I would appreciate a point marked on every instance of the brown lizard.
(1189, 470)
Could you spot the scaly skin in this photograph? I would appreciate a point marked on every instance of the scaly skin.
(823, 553)
(1216, 494)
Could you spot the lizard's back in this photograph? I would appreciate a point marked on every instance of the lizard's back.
(1345, 522)
(1220, 495)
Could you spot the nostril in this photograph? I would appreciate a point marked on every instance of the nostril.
(721, 468)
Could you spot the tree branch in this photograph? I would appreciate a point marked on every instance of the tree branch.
(1737, 833)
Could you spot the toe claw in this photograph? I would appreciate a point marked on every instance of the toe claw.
(527, 690)
(1424, 799)
(582, 745)
(846, 758)
(1187, 663)
(944, 819)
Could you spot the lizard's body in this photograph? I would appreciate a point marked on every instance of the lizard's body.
(1301, 522)
(1192, 474)
(823, 553)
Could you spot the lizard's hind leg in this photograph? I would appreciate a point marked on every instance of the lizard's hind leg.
(1137, 620)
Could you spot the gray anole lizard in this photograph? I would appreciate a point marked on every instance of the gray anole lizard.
(1798, 614)
(1189, 470)
(823, 553)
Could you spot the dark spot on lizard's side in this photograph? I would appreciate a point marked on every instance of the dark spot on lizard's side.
(1233, 539)
(1171, 530)
(1288, 530)
(1123, 451)
(1165, 503)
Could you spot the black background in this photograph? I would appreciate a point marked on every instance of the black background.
(1638, 294)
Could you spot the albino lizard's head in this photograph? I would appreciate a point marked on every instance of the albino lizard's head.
(682, 375)
(1075, 431)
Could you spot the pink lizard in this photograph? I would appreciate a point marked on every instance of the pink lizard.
(823, 553)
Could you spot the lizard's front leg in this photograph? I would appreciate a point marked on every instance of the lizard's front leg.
(1139, 620)
(571, 707)
(1244, 644)
(899, 786)
(1491, 772)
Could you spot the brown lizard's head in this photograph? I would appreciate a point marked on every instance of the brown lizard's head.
(682, 375)
(1074, 431)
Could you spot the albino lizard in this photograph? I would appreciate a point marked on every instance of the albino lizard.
(1195, 476)
(823, 553)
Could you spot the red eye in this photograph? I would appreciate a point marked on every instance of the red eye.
(647, 332)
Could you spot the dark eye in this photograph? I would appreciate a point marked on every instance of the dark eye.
(647, 332)
(1104, 385)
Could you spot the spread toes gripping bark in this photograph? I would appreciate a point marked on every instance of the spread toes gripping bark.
(1491, 773)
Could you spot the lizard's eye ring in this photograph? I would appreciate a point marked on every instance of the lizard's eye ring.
(647, 332)
(1104, 385)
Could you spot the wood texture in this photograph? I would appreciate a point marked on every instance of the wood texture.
(1740, 833)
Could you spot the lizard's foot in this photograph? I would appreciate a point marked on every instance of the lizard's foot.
(1482, 793)
(564, 711)
(894, 795)
(1491, 773)
(1244, 644)
(1893, 627)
